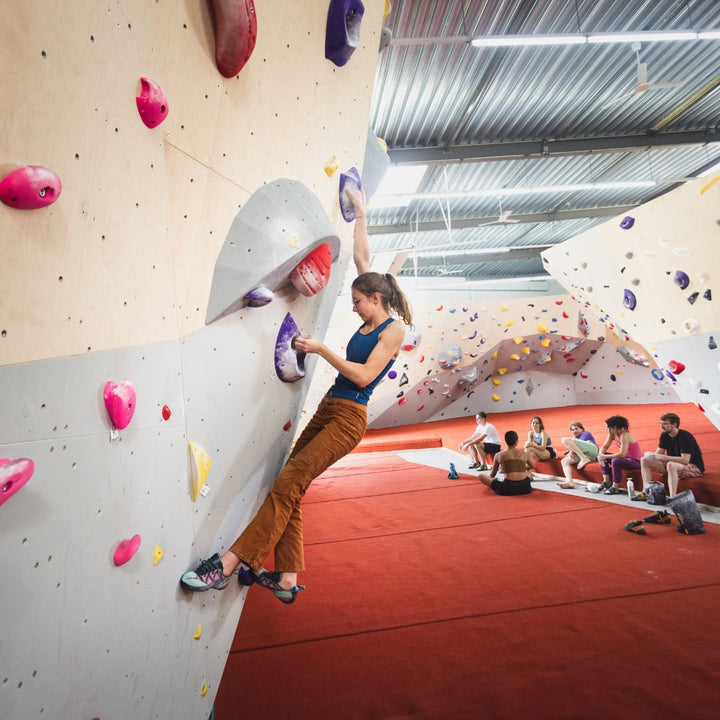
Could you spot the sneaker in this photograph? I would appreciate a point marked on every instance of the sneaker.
(206, 576)
(612, 490)
(271, 581)
(604, 486)
(636, 526)
(473, 466)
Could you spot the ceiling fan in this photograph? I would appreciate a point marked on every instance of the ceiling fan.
(502, 219)
(642, 84)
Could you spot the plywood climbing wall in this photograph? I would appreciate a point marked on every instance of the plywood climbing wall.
(113, 281)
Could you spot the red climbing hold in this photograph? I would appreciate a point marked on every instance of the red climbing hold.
(235, 34)
(166, 412)
(287, 425)
(30, 187)
(312, 273)
(675, 367)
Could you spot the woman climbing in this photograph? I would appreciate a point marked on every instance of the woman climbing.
(335, 430)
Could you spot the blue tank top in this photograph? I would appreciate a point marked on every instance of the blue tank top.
(358, 351)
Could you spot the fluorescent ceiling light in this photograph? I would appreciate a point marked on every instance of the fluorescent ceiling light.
(399, 181)
(404, 199)
(524, 40)
(592, 38)
(647, 36)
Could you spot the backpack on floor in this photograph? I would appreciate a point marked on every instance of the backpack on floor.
(688, 514)
(655, 493)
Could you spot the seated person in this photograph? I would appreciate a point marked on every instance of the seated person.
(484, 441)
(539, 444)
(678, 456)
(516, 467)
(626, 457)
(582, 449)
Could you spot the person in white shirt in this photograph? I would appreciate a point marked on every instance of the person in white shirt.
(484, 441)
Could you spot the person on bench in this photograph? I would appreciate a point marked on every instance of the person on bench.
(626, 457)
(516, 466)
(678, 456)
(484, 441)
(582, 449)
(539, 445)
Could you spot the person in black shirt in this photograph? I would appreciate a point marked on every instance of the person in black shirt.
(678, 456)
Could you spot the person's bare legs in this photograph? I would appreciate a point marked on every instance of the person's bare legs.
(570, 443)
(485, 479)
(673, 475)
(230, 562)
(567, 462)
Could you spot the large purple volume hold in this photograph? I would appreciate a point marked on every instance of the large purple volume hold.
(351, 180)
(342, 33)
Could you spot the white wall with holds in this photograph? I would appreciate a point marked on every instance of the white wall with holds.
(515, 353)
(652, 275)
(112, 282)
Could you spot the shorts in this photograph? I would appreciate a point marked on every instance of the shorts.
(511, 487)
(589, 448)
(690, 471)
(491, 448)
(551, 450)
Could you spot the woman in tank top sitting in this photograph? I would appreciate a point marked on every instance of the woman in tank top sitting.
(626, 456)
(539, 445)
(516, 467)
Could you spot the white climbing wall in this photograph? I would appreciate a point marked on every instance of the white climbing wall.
(677, 232)
(113, 282)
(516, 353)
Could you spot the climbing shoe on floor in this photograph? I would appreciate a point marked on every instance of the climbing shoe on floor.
(661, 517)
(636, 526)
(207, 575)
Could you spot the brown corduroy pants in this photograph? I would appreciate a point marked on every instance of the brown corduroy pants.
(336, 428)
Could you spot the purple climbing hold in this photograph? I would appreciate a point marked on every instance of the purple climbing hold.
(392, 374)
(627, 222)
(342, 32)
(289, 364)
(350, 180)
(259, 297)
(629, 299)
(681, 279)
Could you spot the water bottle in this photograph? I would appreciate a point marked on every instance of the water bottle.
(630, 488)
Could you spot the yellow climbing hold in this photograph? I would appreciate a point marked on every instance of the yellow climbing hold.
(494, 355)
(292, 241)
(502, 371)
(525, 351)
(495, 397)
(388, 8)
(709, 184)
(331, 166)
(200, 466)
(541, 328)
(514, 356)
(198, 632)
(496, 381)
(157, 555)
(382, 144)
(509, 323)
(518, 340)
(545, 342)
(504, 308)
(203, 692)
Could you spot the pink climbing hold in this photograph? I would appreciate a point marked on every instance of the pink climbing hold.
(151, 103)
(235, 34)
(120, 402)
(13, 475)
(312, 273)
(30, 187)
(125, 550)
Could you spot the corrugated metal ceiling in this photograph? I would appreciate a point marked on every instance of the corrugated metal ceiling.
(449, 95)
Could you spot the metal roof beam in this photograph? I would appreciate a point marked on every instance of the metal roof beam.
(473, 257)
(458, 223)
(550, 148)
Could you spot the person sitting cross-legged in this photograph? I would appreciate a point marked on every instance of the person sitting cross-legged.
(516, 466)
(485, 440)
